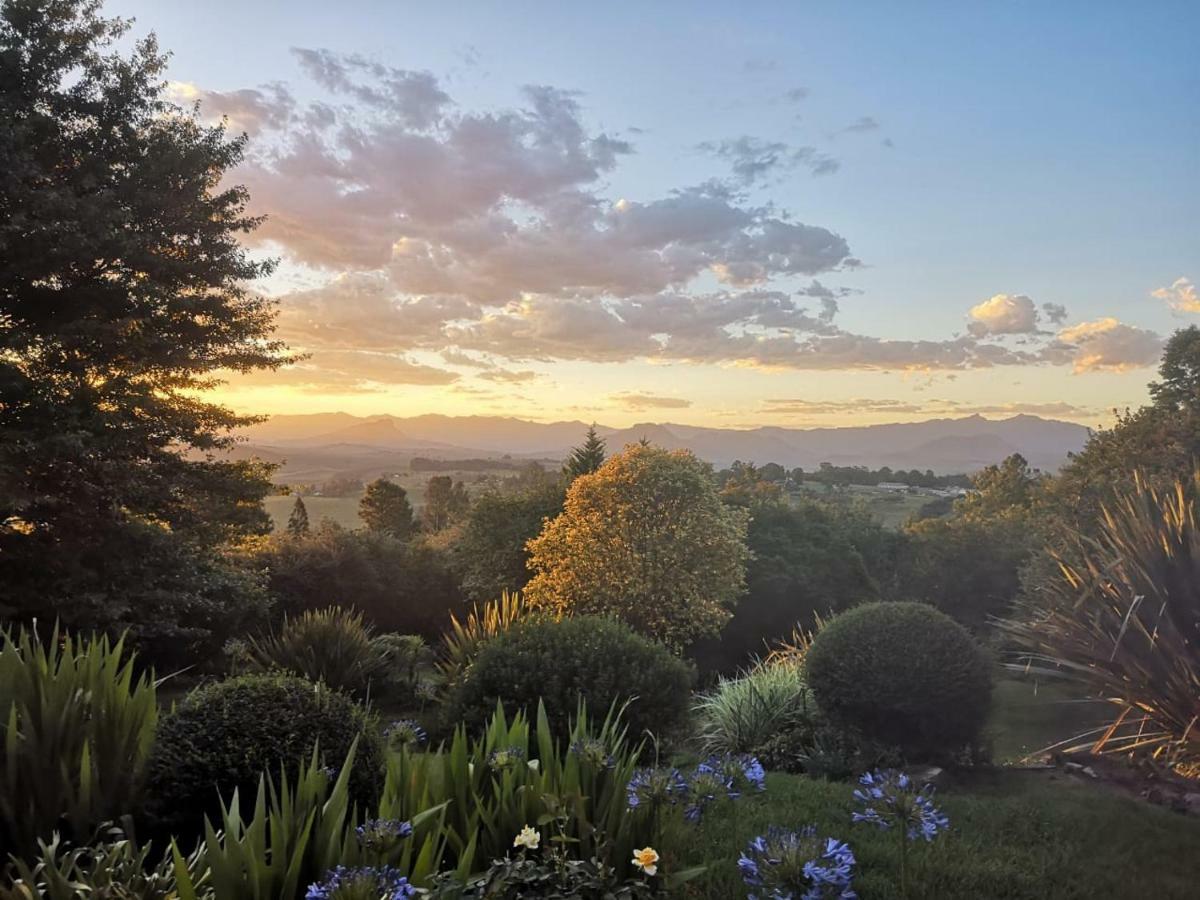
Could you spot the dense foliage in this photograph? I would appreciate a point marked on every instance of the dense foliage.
(1119, 618)
(397, 585)
(123, 289)
(76, 724)
(644, 538)
(564, 661)
(807, 558)
(902, 673)
(224, 736)
(492, 553)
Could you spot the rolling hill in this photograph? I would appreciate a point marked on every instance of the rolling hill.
(339, 443)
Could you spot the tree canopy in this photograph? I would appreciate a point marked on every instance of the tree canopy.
(644, 538)
(384, 507)
(123, 290)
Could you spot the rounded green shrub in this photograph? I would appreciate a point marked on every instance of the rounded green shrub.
(903, 674)
(225, 735)
(560, 661)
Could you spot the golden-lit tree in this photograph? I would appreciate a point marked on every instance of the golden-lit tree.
(646, 539)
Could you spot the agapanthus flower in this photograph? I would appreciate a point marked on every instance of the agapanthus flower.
(742, 772)
(405, 733)
(797, 865)
(506, 757)
(594, 752)
(375, 834)
(889, 798)
(705, 787)
(656, 787)
(373, 882)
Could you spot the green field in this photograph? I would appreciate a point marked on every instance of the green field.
(888, 508)
(344, 510)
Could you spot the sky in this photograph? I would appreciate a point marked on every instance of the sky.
(800, 214)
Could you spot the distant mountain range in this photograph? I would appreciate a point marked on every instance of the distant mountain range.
(322, 445)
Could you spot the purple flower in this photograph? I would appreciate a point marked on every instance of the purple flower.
(656, 787)
(889, 798)
(797, 865)
(383, 881)
(375, 834)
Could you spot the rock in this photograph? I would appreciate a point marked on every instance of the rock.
(1090, 772)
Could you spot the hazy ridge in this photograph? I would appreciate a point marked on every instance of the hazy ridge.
(324, 444)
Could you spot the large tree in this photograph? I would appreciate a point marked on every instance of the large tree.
(644, 538)
(492, 552)
(124, 293)
(384, 507)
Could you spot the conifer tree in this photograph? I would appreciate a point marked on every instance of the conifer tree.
(297, 524)
(586, 458)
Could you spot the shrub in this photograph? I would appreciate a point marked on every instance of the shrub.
(225, 735)
(76, 726)
(1119, 618)
(331, 646)
(743, 713)
(904, 674)
(562, 662)
(462, 640)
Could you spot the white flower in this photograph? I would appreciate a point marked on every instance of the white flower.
(533, 765)
(646, 859)
(528, 838)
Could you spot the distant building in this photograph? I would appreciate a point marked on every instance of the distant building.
(898, 487)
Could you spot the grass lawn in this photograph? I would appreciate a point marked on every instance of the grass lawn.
(1027, 718)
(1013, 834)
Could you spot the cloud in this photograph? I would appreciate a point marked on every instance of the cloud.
(1003, 314)
(414, 98)
(1108, 345)
(1180, 295)
(636, 400)
(250, 110)
(348, 372)
(490, 237)
(860, 125)
(754, 161)
(1056, 313)
(507, 375)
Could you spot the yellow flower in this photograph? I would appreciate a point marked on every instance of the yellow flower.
(646, 859)
(528, 838)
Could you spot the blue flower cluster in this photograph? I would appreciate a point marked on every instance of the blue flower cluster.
(743, 772)
(383, 881)
(594, 752)
(890, 798)
(506, 757)
(656, 787)
(375, 834)
(797, 865)
(405, 732)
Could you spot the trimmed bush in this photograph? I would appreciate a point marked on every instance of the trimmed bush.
(597, 659)
(225, 735)
(903, 674)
